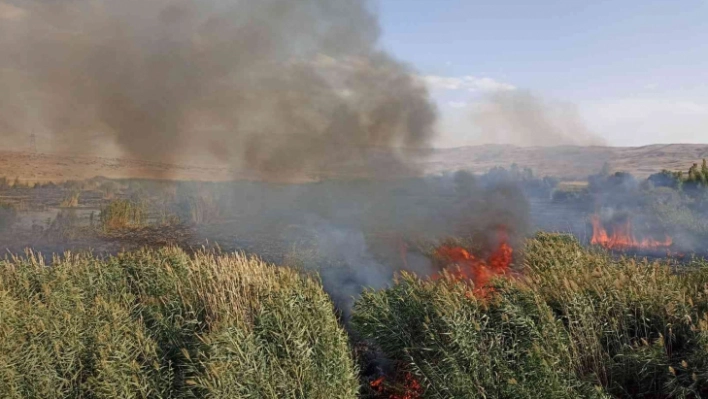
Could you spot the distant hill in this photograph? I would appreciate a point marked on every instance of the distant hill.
(566, 162)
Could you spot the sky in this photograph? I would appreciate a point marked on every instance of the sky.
(621, 72)
(634, 71)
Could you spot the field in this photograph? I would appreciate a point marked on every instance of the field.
(445, 286)
(208, 199)
(161, 324)
(570, 322)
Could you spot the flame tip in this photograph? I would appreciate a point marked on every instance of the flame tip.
(622, 237)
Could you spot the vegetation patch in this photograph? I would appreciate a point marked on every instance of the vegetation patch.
(575, 323)
(120, 214)
(162, 324)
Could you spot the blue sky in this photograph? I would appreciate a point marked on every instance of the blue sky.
(637, 71)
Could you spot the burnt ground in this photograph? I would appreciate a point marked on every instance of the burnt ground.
(273, 243)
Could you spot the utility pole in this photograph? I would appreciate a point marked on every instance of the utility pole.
(33, 143)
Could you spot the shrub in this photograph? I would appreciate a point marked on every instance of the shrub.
(637, 328)
(109, 189)
(62, 338)
(121, 213)
(575, 323)
(65, 225)
(198, 203)
(200, 209)
(71, 200)
(162, 324)
(460, 347)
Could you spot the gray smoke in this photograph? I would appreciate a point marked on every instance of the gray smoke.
(280, 88)
(360, 234)
(277, 87)
(342, 258)
(518, 117)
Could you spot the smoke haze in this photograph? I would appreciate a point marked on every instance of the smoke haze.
(520, 118)
(280, 88)
(276, 87)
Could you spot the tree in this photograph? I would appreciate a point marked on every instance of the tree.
(693, 173)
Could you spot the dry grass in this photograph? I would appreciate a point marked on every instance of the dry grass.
(71, 200)
(120, 214)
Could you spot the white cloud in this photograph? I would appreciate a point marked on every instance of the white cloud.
(468, 83)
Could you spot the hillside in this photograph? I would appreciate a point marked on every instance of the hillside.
(566, 162)
(569, 162)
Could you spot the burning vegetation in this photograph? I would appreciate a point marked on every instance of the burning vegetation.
(462, 266)
(458, 266)
(410, 388)
(540, 335)
(621, 236)
(281, 91)
(462, 327)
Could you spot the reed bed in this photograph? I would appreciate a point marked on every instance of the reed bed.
(574, 322)
(163, 324)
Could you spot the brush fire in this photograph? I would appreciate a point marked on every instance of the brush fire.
(290, 192)
(461, 266)
(621, 236)
(411, 388)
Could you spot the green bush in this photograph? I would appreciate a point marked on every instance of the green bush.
(162, 324)
(637, 328)
(574, 323)
(460, 347)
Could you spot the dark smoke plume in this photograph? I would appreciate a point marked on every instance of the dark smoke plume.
(278, 87)
(521, 118)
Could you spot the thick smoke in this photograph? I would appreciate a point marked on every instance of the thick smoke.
(358, 234)
(520, 118)
(279, 88)
(276, 87)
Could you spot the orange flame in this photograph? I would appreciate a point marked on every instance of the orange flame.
(622, 237)
(411, 388)
(462, 266)
(465, 267)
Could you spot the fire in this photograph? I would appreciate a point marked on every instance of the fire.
(622, 237)
(464, 266)
(411, 388)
